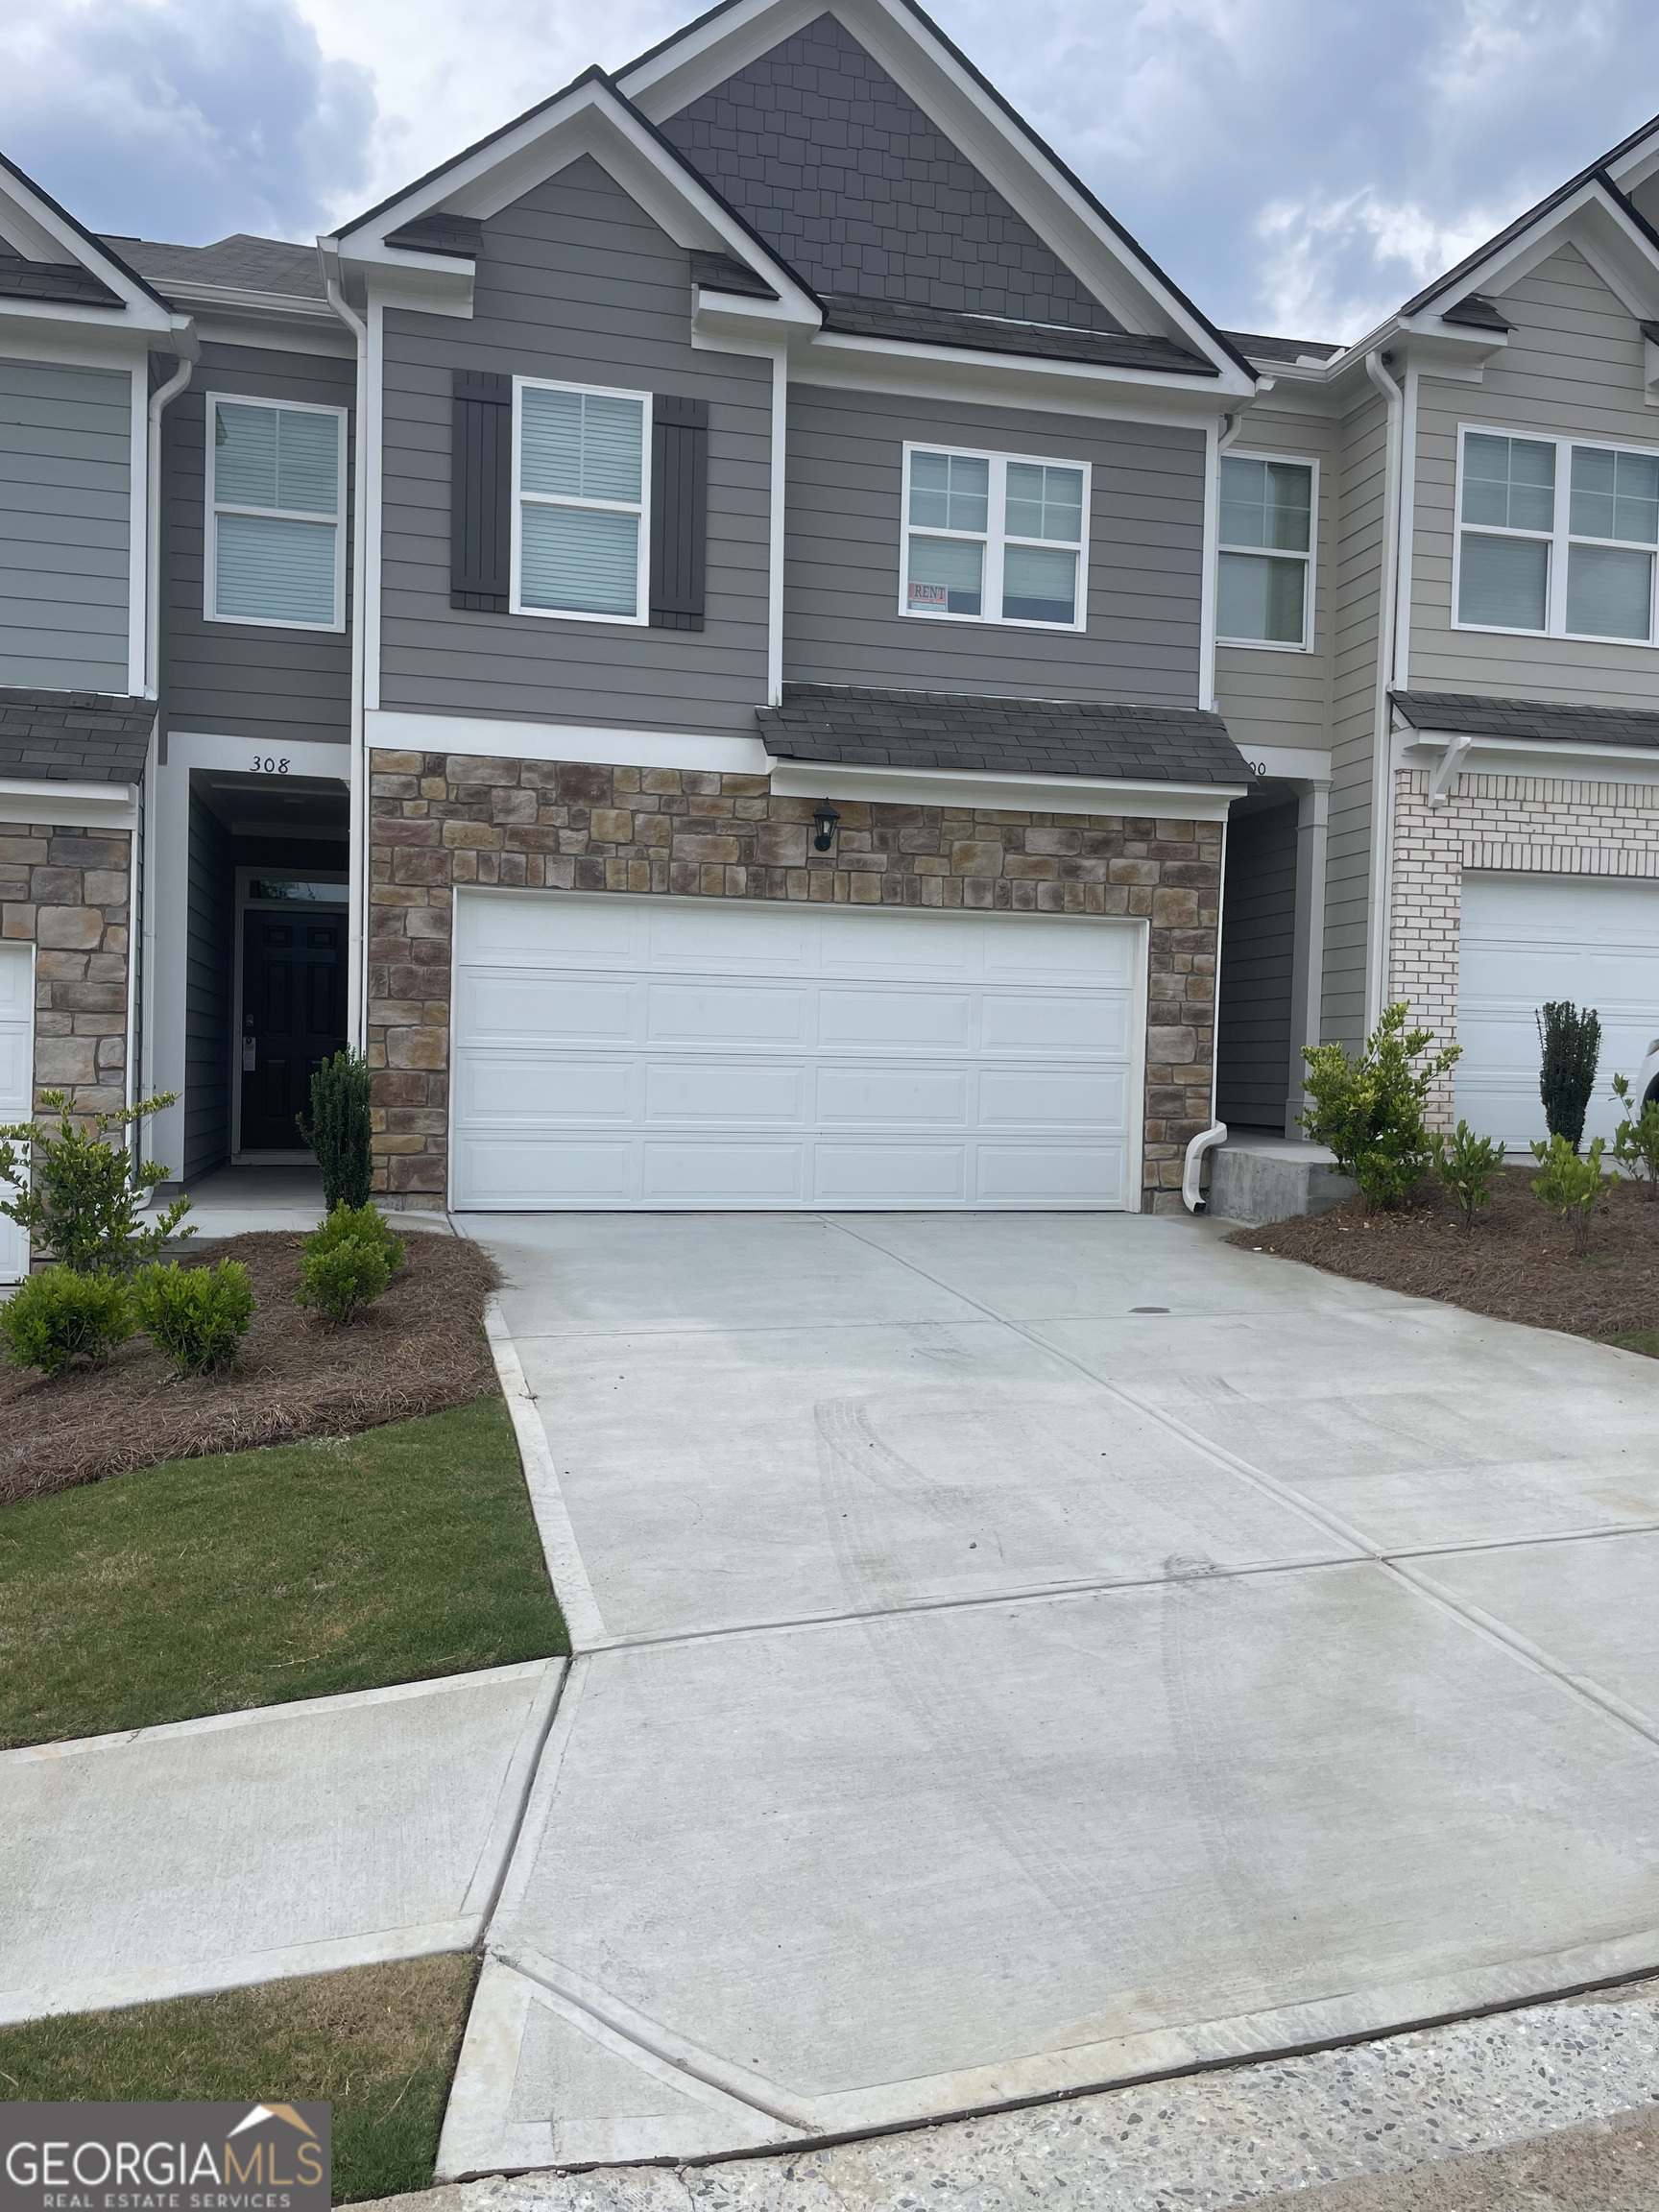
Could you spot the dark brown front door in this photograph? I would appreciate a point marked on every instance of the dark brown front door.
(293, 1018)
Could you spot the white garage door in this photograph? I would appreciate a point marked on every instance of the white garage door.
(1530, 938)
(17, 1079)
(616, 1052)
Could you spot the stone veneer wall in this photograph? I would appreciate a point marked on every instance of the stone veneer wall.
(67, 891)
(1530, 823)
(441, 820)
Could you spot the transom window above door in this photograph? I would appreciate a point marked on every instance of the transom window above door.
(582, 462)
(1556, 536)
(995, 537)
(275, 513)
(1265, 584)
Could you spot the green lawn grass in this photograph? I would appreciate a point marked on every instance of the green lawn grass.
(1637, 1340)
(377, 2043)
(206, 1585)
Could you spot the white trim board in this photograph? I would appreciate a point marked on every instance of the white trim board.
(391, 729)
(1004, 791)
(77, 806)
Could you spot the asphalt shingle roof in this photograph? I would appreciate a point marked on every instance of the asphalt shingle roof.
(74, 736)
(243, 263)
(840, 723)
(865, 318)
(1257, 348)
(1542, 720)
(65, 282)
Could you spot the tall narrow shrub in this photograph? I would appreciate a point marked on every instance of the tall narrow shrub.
(1570, 1041)
(338, 1130)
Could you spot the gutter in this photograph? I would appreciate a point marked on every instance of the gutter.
(1381, 727)
(356, 978)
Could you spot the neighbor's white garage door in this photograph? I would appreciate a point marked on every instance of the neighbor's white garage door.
(1530, 938)
(615, 1052)
(17, 1079)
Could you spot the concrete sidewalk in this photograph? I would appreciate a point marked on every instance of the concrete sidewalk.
(1027, 1654)
(290, 1840)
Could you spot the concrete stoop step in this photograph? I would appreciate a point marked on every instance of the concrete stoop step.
(1265, 1178)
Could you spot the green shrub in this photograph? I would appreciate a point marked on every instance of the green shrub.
(77, 1196)
(58, 1317)
(341, 1278)
(338, 1130)
(197, 1316)
(366, 1224)
(1466, 1165)
(1636, 1139)
(1370, 1110)
(1570, 1043)
(1571, 1184)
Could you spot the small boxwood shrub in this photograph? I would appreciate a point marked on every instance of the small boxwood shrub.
(59, 1317)
(197, 1316)
(1466, 1165)
(1636, 1139)
(1572, 1183)
(341, 1278)
(366, 1224)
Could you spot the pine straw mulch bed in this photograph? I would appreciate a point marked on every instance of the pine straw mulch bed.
(1516, 1264)
(420, 1349)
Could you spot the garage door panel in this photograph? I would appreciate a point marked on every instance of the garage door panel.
(905, 1018)
(1525, 940)
(725, 1093)
(616, 1051)
(896, 1096)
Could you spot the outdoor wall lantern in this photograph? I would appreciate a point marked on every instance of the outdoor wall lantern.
(823, 820)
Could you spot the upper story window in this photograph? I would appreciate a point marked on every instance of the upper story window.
(996, 538)
(582, 471)
(1556, 536)
(275, 513)
(1265, 586)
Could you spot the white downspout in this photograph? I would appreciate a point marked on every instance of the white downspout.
(1206, 1141)
(356, 978)
(1382, 735)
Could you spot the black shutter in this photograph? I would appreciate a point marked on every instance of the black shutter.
(481, 493)
(679, 511)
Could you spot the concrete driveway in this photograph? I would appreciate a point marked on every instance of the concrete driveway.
(1026, 1653)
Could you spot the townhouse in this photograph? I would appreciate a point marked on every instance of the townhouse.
(754, 650)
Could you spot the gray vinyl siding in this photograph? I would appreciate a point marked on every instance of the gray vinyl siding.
(65, 524)
(1258, 948)
(1271, 697)
(1573, 364)
(578, 285)
(210, 947)
(232, 679)
(1357, 593)
(841, 612)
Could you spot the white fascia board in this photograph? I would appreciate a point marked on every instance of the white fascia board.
(719, 316)
(1636, 165)
(948, 94)
(114, 344)
(1002, 789)
(1566, 761)
(587, 120)
(1203, 395)
(77, 806)
(937, 372)
(279, 335)
(393, 729)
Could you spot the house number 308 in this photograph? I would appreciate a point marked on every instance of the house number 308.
(268, 764)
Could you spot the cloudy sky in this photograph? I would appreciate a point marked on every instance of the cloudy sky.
(1298, 167)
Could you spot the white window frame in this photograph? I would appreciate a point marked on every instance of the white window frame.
(993, 540)
(1310, 588)
(641, 618)
(216, 507)
(1559, 540)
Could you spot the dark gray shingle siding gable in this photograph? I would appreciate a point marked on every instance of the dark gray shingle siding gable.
(936, 730)
(575, 283)
(74, 736)
(847, 180)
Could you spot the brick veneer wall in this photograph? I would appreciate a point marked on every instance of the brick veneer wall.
(442, 820)
(1531, 824)
(66, 892)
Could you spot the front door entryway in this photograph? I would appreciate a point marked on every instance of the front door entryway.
(293, 1019)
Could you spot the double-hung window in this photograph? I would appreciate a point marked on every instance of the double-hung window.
(1556, 536)
(1265, 584)
(275, 513)
(582, 462)
(995, 537)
